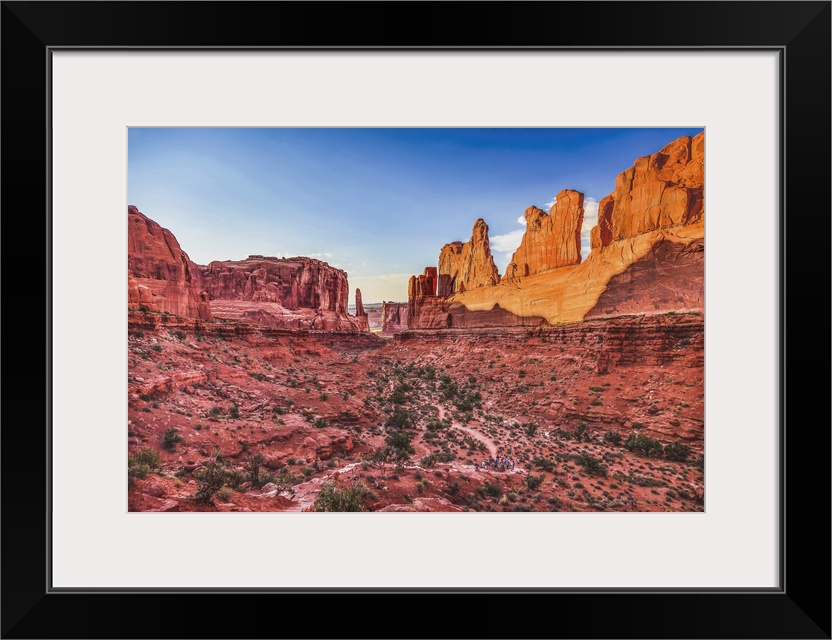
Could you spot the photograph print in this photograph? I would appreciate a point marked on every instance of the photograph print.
(415, 320)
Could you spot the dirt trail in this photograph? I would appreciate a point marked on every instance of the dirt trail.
(489, 444)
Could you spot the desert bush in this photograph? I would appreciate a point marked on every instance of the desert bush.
(530, 429)
(644, 445)
(493, 490)
(400, 419)
(543, 463)
(225, 494)
(533, 482)
(677, 452)
(209, 480)
(592, 465)
(612, 437)
(170, 438)
(344, 498)
(399, 445)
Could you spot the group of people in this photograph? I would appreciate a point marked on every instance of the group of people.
(500, 463)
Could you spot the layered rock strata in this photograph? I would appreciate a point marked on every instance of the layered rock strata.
(551, 240)
(646, 257)
(393, 318)
(468, 265)
(296, 293)
(160, 276)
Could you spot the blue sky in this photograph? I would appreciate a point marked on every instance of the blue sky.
(378, 203)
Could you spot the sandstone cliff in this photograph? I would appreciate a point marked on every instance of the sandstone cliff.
(296, 293)
(551, 240)
(647, 254)
(160, 276)
(465, 266)
(393, 318)
(661, 190)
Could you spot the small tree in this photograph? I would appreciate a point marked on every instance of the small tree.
(677, 452)
(343, 498)
(170, 438)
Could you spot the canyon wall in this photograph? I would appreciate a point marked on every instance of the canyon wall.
(551, 240)
(294, 293)
(646, 257)
(160, 276)
(393, 318)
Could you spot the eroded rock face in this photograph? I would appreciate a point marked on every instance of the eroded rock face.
(450, 266)
(421, 291)
(551, 239)
(393, 318)
(161, 276)
(661, 190)
(469, 265)
(361, 319)
(296, 293)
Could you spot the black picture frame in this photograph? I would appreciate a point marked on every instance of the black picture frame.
(799, 31)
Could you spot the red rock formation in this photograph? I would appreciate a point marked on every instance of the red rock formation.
(551, 240)
(300, 293)
(450, 264)
(161, 276)
(661, 190)
(421, 297)
(393, 318)
(469, 265)
(361, 319)
(359, 306)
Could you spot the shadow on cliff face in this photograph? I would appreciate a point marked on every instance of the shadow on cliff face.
(670, 277)
(460, 317)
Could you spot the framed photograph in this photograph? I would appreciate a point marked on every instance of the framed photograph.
(272, 153)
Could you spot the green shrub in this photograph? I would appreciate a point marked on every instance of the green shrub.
(598, 389)
(677, 452)
(147, 457)
(225, 494)
(612, 437)
(592, 465)
(209, 480)
(344, 498)
(493, 490)
(644, 445)
(399, 420)
(170, 438)
(533, 482)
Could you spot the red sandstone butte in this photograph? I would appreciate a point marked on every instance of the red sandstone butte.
(661, 190)
(469, 265)
(393, 318)
(551, 239)
(295, 293)
(160, 276)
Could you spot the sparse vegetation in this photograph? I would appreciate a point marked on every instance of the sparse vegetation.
(342, 498)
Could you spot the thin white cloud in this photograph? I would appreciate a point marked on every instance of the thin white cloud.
(522, 220)
(507, 242)
(590, 220)
(551, 204)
